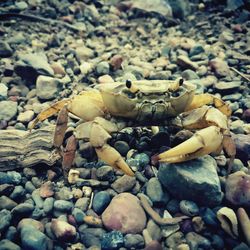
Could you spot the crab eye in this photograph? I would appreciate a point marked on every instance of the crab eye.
(181, 81)
(128, 84)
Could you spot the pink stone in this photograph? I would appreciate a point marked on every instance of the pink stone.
(153, 245)
(47, 189)
(125, 214)
(238, 189)
(116, 61)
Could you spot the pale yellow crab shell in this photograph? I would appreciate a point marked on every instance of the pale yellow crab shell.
(117, 103)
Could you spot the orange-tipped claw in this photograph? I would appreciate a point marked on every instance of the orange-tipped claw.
(203, 142)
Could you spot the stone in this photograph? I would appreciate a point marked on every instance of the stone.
(237, 189)
(189, 208)
(32, 238)
(227, 88)
(5, 49)
(196, 241)
(154, 245)
(135, 241)
(105, 79)
(8, 245)
(3, 92)
(185, 63)
(175, 239)
(78, 215)
(209, 217)
(10, 177)
(154, 230)
(125, 214)
(18, 193)
(101, 201)
(48, 205)
(63, 206)
(195, 180)
(47, 189)
(154, 191)
(197, 49)
(180, 8)
(122, 147)
(47, 87)
(90, 240)
(63, 230)
(112, 240)
(189, 74)
(219, 67)
(105, 173)
(123, 184)
(30, 66)
(84, 53)
(26, 116)
(30, 222)
(22, 210)
(116, 62)
(8, 110)
(102, 68)
(7, 203)
(242, 143)
(5, 219)
(37, 198)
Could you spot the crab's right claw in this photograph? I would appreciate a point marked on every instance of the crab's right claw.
(203, 142)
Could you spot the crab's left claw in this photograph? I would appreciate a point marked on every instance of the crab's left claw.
(203, 142)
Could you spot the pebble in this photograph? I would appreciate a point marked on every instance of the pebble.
(3, 91)
(209, 217)
(112, 240)
(48, 205)
(101, 201)
(175, 239)
(78, 215)
(63, 230)
(123, 184)
(8, 110)
(105, 173)
(242, 143)
(122, 147)
(154, 230)
(31, 238)
(11, 177)
(5, 219)
(63, 206)
(189, 208)
(219, 67)
(8, 245)
(153, 245)
(189, 74)
(102, 68)
(154, 191)
(30, 222)
(135, 241)
(5, 49)
(186, 63)
(173, 206)
(22, 210)
(26, 116)
(196, 50)
(196, 241)
(124, 213)
(48, 87)
(7, 203)
(18, 193)
(227, 88)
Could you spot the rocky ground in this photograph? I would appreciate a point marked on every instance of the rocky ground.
(53, 49)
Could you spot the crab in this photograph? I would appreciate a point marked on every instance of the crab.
(109, 108)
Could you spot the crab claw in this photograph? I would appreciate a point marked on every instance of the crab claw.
(113, 158)
(203, 142)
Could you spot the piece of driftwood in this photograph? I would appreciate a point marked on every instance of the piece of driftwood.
(20, 149)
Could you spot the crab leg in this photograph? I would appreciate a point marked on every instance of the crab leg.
(98, 132)
(204, 99)
(214, 135)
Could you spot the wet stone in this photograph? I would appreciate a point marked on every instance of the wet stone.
(8, 245)
(32, 238)
(11, 177)
(101, 201)
(63, 206)
(189, 208)
(6, 189)
(5, 219)
(112, 240)
(180, 177)
(105, 173)
(123, 184)
(37, 198)
(133, 241)
(154, 190)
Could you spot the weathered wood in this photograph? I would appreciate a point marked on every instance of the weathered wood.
(20, 149)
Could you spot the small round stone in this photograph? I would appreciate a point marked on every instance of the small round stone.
(113, 240)
(189, 208)
(122, 147)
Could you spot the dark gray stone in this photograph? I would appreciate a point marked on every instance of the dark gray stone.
(154, 190)
(5, 49)
(195, 180)
(101, 201)
(135, 241)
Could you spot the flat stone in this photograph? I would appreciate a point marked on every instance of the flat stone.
(195, 180)
(8, 110)
(30, 66)
(227, 88)
(186, 63)
(7, 203)
(8, 245)
(124, 183)
(48, 88)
